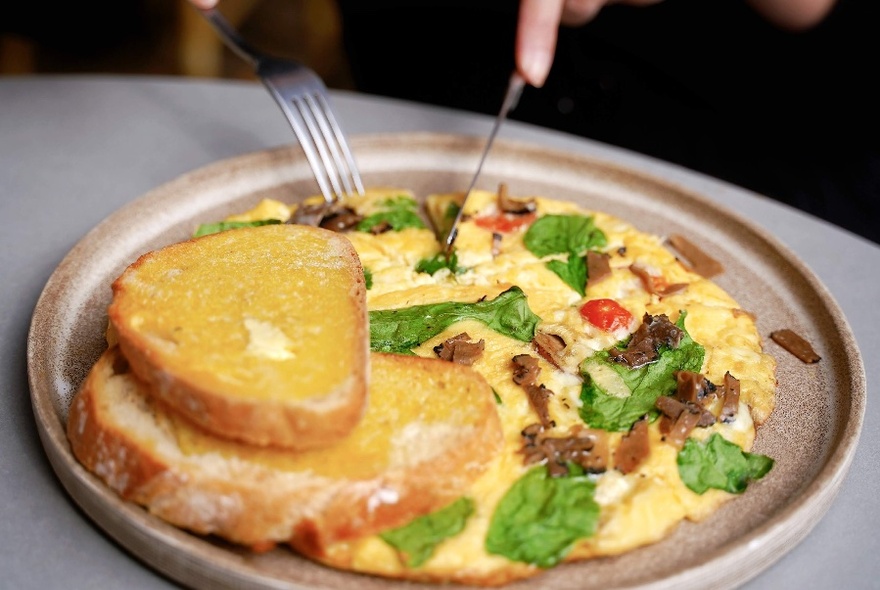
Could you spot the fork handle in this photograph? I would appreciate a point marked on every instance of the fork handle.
(231, 37)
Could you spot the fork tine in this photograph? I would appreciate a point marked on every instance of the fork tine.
(320, 115)
(313, 155)
(316, 140)
(302, 96)
(342, 143)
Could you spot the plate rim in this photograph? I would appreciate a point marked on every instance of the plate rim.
(92, 495)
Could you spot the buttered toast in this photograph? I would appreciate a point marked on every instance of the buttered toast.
(257, 334)
(429, 431)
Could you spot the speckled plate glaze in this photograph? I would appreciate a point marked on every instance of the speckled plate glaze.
(812, 434)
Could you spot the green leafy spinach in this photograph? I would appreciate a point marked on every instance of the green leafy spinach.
(561, 234)
(540, 517)
(720, 464)
(573, 272)
(214, 228)
(399, 213)
(438, 261)
(643, 385)
(418, 539)
(401, 330)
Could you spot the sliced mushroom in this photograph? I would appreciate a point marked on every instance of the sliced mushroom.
(511, 205)
(673, 408)
(634, 448)
(644, 346)
(585, 447)
(309, 214)
(525, 369)
(539, 397)
(598, 267)
(696, 260)
(677, 431)
(692, 387)
(796, 345)
(549, 346)
(730, 405)
(340, 219)
(380, 228)
(460, 349)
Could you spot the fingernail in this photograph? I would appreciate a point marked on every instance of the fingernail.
(535, 67)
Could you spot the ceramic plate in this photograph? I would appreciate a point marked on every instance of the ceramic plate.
(812, 434)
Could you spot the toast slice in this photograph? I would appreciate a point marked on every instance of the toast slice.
(257, 334)
(429, 431)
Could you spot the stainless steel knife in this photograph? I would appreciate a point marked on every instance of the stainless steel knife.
(514, 89)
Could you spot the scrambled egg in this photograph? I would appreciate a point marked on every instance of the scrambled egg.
(634, 509)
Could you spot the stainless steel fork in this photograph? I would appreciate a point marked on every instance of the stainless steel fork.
(302, 96)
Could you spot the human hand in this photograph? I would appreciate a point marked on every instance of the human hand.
(204, 4)
(539, 22)
(537, 29)
(793, 15)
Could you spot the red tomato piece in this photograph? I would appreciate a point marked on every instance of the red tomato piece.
(504, 222)
(606, 314)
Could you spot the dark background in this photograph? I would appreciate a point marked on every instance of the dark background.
(707, 84)
(702, 83)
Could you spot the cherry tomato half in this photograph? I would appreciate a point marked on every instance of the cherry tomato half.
(606, 314)
(504, 222)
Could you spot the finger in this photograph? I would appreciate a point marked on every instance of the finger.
(537, 29)
(579, 12)
(204, 4)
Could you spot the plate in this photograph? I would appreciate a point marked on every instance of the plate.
(812, 434)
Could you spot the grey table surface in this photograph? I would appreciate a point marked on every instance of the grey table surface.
(73, 149)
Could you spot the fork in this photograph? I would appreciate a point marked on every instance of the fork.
(302, 96)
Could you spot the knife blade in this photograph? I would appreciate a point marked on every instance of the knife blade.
(511, 97)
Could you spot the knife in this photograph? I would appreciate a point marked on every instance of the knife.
(514, 89)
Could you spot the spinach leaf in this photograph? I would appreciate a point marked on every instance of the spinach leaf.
(401, 330)
(573, 272)
(540, 517)
(214, 228)
(399, 212)
(644, 385)
(720, 464)
(418, 539)
(559, 234)
(438, 261)
(368, 278)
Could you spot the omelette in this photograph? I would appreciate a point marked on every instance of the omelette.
(629, 385)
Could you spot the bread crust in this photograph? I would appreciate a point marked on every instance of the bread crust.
(127, 439)
(217, 406)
